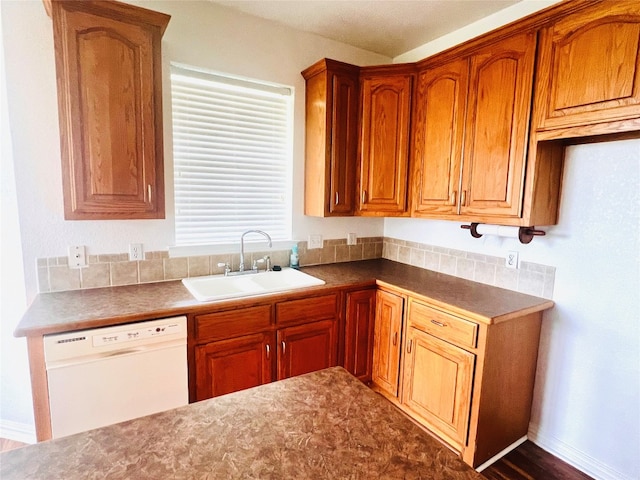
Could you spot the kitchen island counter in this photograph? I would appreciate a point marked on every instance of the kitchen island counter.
(323, 425)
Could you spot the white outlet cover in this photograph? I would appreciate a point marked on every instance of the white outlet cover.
(136, 252)
(314, 241)
(77, 256)
(352, 239)
(511, 261)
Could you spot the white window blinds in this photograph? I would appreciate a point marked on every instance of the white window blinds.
(232, 157)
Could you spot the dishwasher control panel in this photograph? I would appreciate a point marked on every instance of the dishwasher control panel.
(157, 330)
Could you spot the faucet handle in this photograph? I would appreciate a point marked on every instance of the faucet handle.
(267, 259)
(227, 269)
(256, 262)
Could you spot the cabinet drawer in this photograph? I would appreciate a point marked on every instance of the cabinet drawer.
(307, 310)
(232, 323)
(442, 325)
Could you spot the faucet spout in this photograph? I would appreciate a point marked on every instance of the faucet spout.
(265, 234)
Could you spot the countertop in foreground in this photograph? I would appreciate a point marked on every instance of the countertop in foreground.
(80, 309)
(323, 425)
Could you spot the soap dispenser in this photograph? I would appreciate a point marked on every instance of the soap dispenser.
(293, 260)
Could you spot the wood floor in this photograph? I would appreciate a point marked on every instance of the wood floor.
(527, 462)
(530, 462)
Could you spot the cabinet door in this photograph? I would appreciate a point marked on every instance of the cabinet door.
(438, 137)
(306, 348)
(231, 365)
(437, 385)
(387, 339)
(589, 66)
(497, 127)
(331, 138)
(386, 109)
(359, 321)
(110, 109)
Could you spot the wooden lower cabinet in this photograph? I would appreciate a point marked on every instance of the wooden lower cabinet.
(387, 342)
(230, 365)
(306, 348)
(359, 322)
(437, 383)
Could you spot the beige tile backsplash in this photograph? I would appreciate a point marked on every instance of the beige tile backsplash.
(54, 273)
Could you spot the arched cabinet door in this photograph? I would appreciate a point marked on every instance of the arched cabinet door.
(589, 67)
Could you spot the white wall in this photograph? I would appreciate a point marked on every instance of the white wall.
(587, 398)
(200, 33)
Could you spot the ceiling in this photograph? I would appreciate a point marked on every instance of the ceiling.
(388, 27)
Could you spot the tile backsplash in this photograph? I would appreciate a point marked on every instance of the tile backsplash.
(54, 273)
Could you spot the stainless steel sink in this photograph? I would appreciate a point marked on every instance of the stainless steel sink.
(219, 287)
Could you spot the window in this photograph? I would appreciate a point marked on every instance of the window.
(232, 153)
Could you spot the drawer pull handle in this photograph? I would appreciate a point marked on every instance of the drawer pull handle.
(268, 351)
(284, 347)
(440, 324)
(395, 339)
(409, 345)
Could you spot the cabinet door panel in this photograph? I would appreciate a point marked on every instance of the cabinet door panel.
(438, 137)
(498, 122)
(306, 348)
(590, 66)
(109, 96)
(232, 365)
(386, 109)
(437, 384)
(387, 340)
(359, 320)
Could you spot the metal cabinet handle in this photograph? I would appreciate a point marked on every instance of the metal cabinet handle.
(364, 196)
(395, 338)
(268, 351)
(149, 192)
(440, 324)
(284, 347)
(463, 199)
(409, 345)
(337, 198)
(453, 197)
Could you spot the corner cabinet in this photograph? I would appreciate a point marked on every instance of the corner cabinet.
(384, 140)
(589, 70)
(108, 65)
(331, 148)
(359, 328)
(471, 133)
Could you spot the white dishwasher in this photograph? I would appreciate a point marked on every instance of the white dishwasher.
(102, 376)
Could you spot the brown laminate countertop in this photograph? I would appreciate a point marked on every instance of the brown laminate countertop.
(323, 425)
(80, 309)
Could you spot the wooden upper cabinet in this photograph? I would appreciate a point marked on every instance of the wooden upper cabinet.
(589, 67)
(497, 127)
(108, 66)
(470, 136)
(438, 136)
(331, 148)
(384, 143)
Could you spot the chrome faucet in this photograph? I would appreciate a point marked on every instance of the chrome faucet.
(265, 234)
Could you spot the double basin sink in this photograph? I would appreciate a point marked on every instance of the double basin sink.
(220, 287)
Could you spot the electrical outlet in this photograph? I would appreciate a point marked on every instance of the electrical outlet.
(512, 259)
(314, 241)
(77, 256)
(352, 239)
(135, 251)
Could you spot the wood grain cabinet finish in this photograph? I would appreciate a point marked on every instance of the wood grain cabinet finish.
(387, 341)
(384, 143)
(589, 68)
(331, 140)
(228, 366)
(437, 384)
(471, 133)
(359, 323)
(108, 66)
(306, 348)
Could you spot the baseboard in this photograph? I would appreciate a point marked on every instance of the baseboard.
(583, 462)
(19, 432)
(501, 454)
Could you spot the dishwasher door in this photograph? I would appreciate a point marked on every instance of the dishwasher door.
(103, 376)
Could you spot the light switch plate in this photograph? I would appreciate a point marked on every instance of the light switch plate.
(77, 256)
(314, 241)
